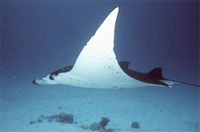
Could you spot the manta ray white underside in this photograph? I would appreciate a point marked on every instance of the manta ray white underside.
(97, 67)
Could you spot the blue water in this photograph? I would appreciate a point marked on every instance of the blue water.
(38, 37)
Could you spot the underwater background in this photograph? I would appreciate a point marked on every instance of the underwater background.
(38, 37)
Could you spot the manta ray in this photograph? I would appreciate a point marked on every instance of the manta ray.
(97, 66)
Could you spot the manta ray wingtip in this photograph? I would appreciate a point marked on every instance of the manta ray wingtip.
(116, 9)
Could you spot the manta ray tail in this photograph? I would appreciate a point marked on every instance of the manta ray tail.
(157, 73)
(180, 82)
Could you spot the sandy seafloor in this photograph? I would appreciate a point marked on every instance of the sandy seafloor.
(154, 108)
(40, 37)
